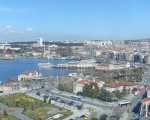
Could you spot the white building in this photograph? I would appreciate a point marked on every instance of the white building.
(113, 66)
(78, 86)
(5, 46)
(29, 75)
(40, 42)
(119, 86)
(99, 42)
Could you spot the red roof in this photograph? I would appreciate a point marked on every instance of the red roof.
(121, 83)
(146, 99)
(28, 72)
(148, 88)
(103, 65)
(87, 81)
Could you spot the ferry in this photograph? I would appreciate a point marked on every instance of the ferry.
(45, 65)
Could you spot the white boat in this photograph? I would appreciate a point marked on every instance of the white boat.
(45, 65)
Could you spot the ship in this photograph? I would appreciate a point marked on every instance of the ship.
(45, 65)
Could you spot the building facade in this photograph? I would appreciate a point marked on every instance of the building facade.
(119, 86)
(78, 86)
(29, 75)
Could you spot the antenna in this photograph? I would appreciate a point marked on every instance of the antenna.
(44, 49)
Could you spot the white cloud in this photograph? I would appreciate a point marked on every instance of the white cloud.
(8, 27)
(29, 29)
(12, 10)
(10, 30)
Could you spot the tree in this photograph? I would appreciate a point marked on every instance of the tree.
(104, 95)
(103, 117)
(124, 91)
(44, 99)
(49, 101)
(16, 104)
(135, 89)
(86, 90)
(94, 119)
(32, 108)
(5, 113)
(118, 112)
(24, 108)
(79, 93)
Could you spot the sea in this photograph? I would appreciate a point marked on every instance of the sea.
(10, 69)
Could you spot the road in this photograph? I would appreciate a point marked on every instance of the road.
(136, 102)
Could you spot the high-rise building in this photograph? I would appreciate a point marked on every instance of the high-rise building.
(40, 42)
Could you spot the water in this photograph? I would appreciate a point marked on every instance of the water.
(12, 68)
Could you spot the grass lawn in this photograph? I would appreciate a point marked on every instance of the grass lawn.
(19, 101)
(10, 117)
(46, 111)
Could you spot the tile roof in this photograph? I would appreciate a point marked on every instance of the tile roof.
(148, 88)
(146, 99)
(117, 84)
(88, 81)
(28, 72)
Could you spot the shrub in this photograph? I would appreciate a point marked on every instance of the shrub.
(5, 113)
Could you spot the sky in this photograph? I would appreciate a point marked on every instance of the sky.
(27, 20)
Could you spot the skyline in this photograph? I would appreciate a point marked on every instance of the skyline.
(27, 20)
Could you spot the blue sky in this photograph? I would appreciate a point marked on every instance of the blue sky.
(27, 20)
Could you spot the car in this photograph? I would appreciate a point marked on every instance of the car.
(76, 118)
(1, 91)
(50, 95)
(61, 101)
(42, 95)
(93, 110)
(86, 117)
(38, 94)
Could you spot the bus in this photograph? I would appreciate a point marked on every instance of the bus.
(73, 97)
(123, 104)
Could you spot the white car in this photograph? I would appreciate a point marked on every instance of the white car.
(42, 95)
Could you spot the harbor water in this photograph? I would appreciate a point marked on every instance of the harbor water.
(12, 68)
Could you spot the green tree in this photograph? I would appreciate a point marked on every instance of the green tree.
(44, 99)
(124, 91)
(5, 113)
(135, 89)
(104, 95)
(16, 104)
(86, 90)
(103, 117)
(49, 101)
(32, 107)
(24, 108)
(79, 93)
(94, 118)
(118, 112)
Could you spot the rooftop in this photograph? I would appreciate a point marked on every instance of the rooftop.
(121, 83)
(88, 81)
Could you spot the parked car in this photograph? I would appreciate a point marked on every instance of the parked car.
(38, 94)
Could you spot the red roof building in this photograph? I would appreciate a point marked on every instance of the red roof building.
(29, 75)
(78, 86)
(119, 85)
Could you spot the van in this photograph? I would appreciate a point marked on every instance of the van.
(1, 91)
